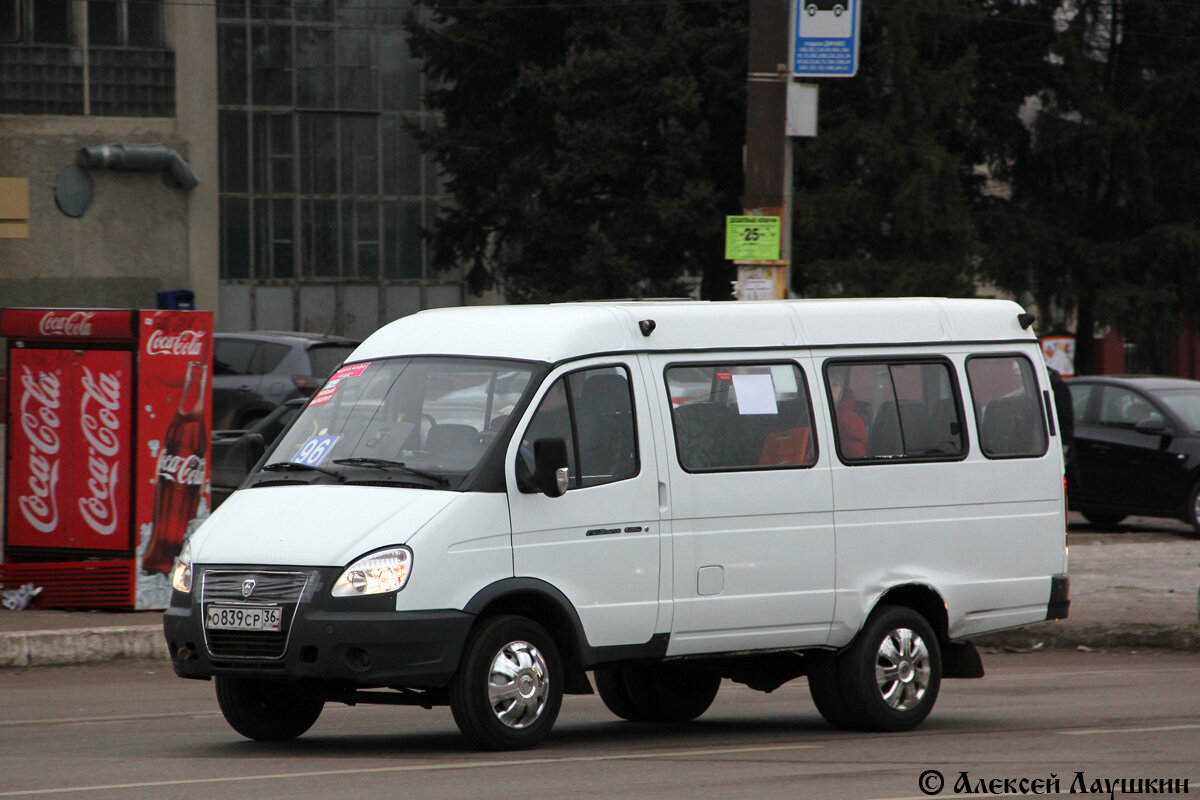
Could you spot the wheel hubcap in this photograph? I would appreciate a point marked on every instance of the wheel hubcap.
(902, 669)
(518, 684)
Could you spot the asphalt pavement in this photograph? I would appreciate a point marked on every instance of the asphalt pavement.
(1133, 586)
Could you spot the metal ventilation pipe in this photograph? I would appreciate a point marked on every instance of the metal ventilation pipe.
(176, 171)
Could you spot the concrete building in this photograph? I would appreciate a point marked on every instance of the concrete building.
(293, 116)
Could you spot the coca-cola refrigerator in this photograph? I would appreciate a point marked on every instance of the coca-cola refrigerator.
(107, 451)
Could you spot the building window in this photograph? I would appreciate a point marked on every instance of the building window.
(125, 23)
(43, 63)
(321, 178)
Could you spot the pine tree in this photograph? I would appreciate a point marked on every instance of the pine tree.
(592, 150)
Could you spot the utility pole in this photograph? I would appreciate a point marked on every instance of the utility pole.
(768, 161)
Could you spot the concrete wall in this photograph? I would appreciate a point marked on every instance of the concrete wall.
(139, 236)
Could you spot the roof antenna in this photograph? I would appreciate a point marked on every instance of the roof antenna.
(647, 326)
(1026, 319)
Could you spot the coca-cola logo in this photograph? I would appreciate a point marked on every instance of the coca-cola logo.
(184, 470)
(99, 410)
(40, 422)
(184, 343)
(76, 323)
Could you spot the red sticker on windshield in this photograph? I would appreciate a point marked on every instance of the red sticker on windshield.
(352, 371)
(724, 376)
(323, 396)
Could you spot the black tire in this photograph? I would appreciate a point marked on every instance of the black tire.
(825, 686)
(610, 685)
(266, 710)
(667, 693)
(892, 672)
(1192, 512)
(1104, 519)
(508, 689)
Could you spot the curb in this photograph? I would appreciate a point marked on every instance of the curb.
(91, 645)
(1141, 635)
(81, 646)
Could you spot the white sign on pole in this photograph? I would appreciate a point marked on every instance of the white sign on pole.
(826, 40)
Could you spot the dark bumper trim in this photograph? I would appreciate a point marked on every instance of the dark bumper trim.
(1060, 597)
(413, 649)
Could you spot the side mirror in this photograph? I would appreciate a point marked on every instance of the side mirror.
(1152, 426)
(256, 445)
(551, 476)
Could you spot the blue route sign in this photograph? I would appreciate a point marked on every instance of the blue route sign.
(826, 41)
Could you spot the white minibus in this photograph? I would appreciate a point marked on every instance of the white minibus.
(485, 504)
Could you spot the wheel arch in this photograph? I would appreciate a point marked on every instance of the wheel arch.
(959, 659)
(544, 604)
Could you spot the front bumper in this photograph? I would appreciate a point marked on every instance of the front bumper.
(360, 642)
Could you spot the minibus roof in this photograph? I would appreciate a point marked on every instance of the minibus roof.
(564, 331)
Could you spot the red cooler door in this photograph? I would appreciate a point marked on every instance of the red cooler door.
(69, 478)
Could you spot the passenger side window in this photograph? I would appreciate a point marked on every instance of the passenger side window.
(1008, 411)
(592, 411)
(740, 416)
(894, 410)
(1123, 408)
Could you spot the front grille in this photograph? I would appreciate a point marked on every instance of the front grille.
(228, 587)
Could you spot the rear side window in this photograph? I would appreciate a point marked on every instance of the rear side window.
(268, 357)
(1008, 411)
(895, 410)
(740, 416)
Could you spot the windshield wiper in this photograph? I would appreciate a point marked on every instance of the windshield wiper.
(292, 466)
(383, 463)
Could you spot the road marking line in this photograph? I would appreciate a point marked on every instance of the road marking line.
(1096, 731)
(413, 768)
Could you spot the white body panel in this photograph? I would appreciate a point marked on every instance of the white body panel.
(598, 545)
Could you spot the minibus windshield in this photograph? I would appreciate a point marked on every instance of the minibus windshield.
(422, 421)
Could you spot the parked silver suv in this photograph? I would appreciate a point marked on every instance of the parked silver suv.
(254, 372)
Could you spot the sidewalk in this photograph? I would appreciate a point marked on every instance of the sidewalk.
(1128, 590)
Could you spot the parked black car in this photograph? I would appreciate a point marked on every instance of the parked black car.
(235, 452)
(1136, 448)
(255, 372)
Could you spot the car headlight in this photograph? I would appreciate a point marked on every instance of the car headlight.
(378, 573)
(181, 573)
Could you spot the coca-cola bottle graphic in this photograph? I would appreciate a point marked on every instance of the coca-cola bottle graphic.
(180, 473)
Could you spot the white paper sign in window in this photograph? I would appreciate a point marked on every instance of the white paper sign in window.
(755, 394)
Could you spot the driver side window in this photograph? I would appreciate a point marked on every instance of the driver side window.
(592, 412)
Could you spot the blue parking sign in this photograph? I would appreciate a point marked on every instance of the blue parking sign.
(826, 40)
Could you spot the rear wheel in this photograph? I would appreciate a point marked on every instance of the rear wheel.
(610, 684)
(892, 673)
(508, 690)
(1193, 510)
(825, 686)
(265, 710)
(667, 693)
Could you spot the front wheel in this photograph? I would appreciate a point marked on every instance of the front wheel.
(892, 672)
(269, 711)
(508, 689)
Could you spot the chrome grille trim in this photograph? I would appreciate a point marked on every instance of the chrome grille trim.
(270, 587)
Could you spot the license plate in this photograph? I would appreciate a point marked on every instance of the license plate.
(231, 618)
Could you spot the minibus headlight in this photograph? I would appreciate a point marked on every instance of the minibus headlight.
(181, 573)
(378, 573)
